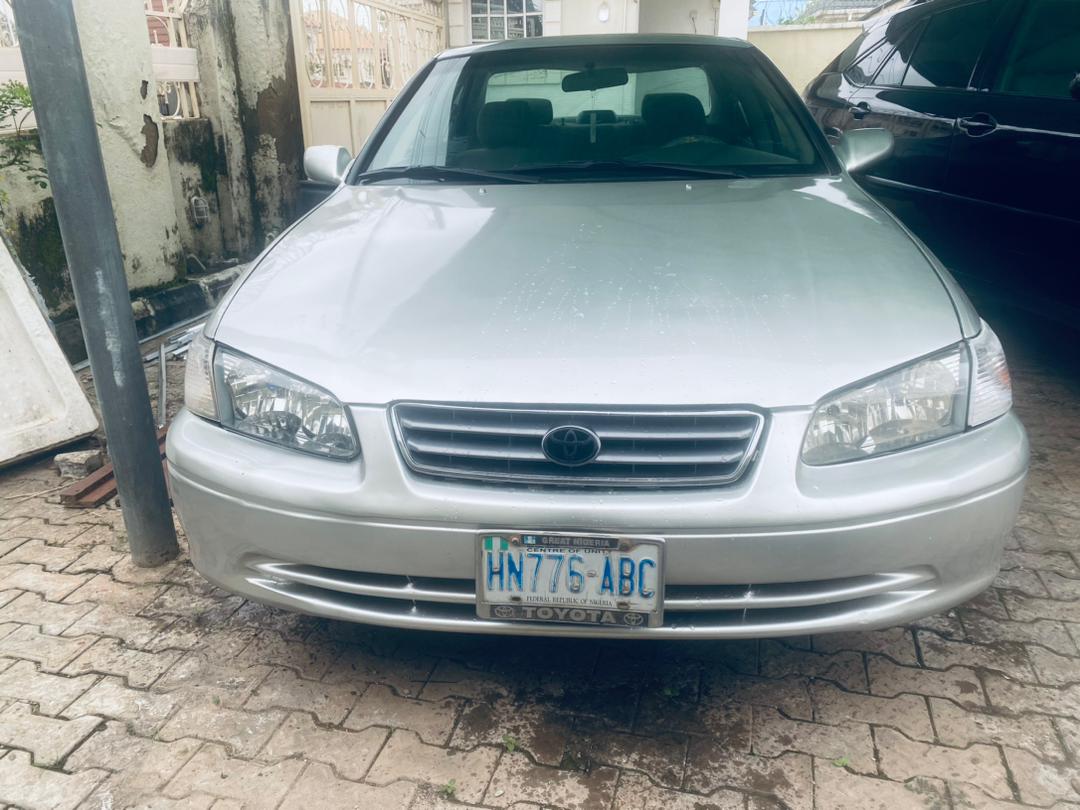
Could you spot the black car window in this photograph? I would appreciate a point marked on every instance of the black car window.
(950, 46)
(1044, 56)
(867, 62)
(892, 72)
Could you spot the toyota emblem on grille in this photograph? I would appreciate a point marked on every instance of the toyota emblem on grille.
(570, 445)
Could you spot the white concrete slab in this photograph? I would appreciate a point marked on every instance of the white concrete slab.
(41, 403)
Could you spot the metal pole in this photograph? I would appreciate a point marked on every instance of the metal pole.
(65, 118)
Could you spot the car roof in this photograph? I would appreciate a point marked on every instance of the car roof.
(594, 40)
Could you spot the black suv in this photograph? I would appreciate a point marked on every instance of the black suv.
(983, 98)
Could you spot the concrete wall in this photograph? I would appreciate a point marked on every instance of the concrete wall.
(243, 157)
(249, 92)
(801, 51)
(28, 218)
(585, 16)
(116, 51)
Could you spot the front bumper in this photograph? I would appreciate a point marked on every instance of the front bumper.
(788, 550)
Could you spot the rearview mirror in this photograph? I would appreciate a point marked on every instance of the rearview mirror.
(594, 80)
(860, 148)
(326, 164)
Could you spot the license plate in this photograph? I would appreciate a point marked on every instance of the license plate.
(573, 578)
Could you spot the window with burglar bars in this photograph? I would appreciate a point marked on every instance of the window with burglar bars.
(175, 63)
(506, 19)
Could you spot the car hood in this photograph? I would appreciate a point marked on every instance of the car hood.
(768, 292)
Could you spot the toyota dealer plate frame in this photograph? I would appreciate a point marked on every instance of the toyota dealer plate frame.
(571, 578)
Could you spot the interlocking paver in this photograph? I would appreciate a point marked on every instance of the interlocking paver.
(791, 695)
(1009, 658)
(319, 787)
(140, 767)
(983, 629)
(908, 713)
(49, 584)
(53, 653)
(143, 711)
(24, 785)
(48, 556)
(1011, 697)
(24, 681)
(379, 706)
(660, 755)
(775, 734)
(52, 617)
(350, 752)
(285, 690)
(50, 740)
(897, 643)
(844, 668)
(211, 771)
(956, 683)
(836, 788)
(1041, 782)
(244, 733)
(406, 756)
(538, 728)
(110, 656)
(517, 779)
(788, 777)
(636, 792)
(961, 727)
(979, 764)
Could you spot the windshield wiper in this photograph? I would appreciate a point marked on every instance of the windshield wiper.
(631, 166)
(441, 174)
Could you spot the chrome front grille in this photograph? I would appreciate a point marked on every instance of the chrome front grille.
(637, 447)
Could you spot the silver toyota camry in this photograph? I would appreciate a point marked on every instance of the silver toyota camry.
(598, 337)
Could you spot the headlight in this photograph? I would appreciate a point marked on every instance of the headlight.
(964, 386)
(920, 403)
(255, 399)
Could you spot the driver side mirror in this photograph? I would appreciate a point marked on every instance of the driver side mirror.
(861, 148)
(326, 164)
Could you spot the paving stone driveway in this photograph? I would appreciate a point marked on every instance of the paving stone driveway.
(126, 687)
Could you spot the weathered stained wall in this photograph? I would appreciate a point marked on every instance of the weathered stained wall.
(193, 160)
(116, 52)
(250, 96)
(28, 218)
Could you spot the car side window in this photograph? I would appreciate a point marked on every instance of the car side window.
(892, 72)
(871, 52)
(1044, 56)
(946, 53)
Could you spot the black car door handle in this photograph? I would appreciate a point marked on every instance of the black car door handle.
(978, 124)
(859, 111)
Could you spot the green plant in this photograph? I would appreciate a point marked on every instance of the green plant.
(841, 762)
(19, 148)
(511, 743)
(448, 790)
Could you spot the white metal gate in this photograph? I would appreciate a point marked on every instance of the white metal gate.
(353, 57)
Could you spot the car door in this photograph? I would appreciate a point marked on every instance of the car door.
(920, 90)
(1016, 154)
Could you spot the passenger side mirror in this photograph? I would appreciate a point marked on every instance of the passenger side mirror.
(860, 148)
(326, 164)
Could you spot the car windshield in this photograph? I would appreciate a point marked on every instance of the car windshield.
(572, 113)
